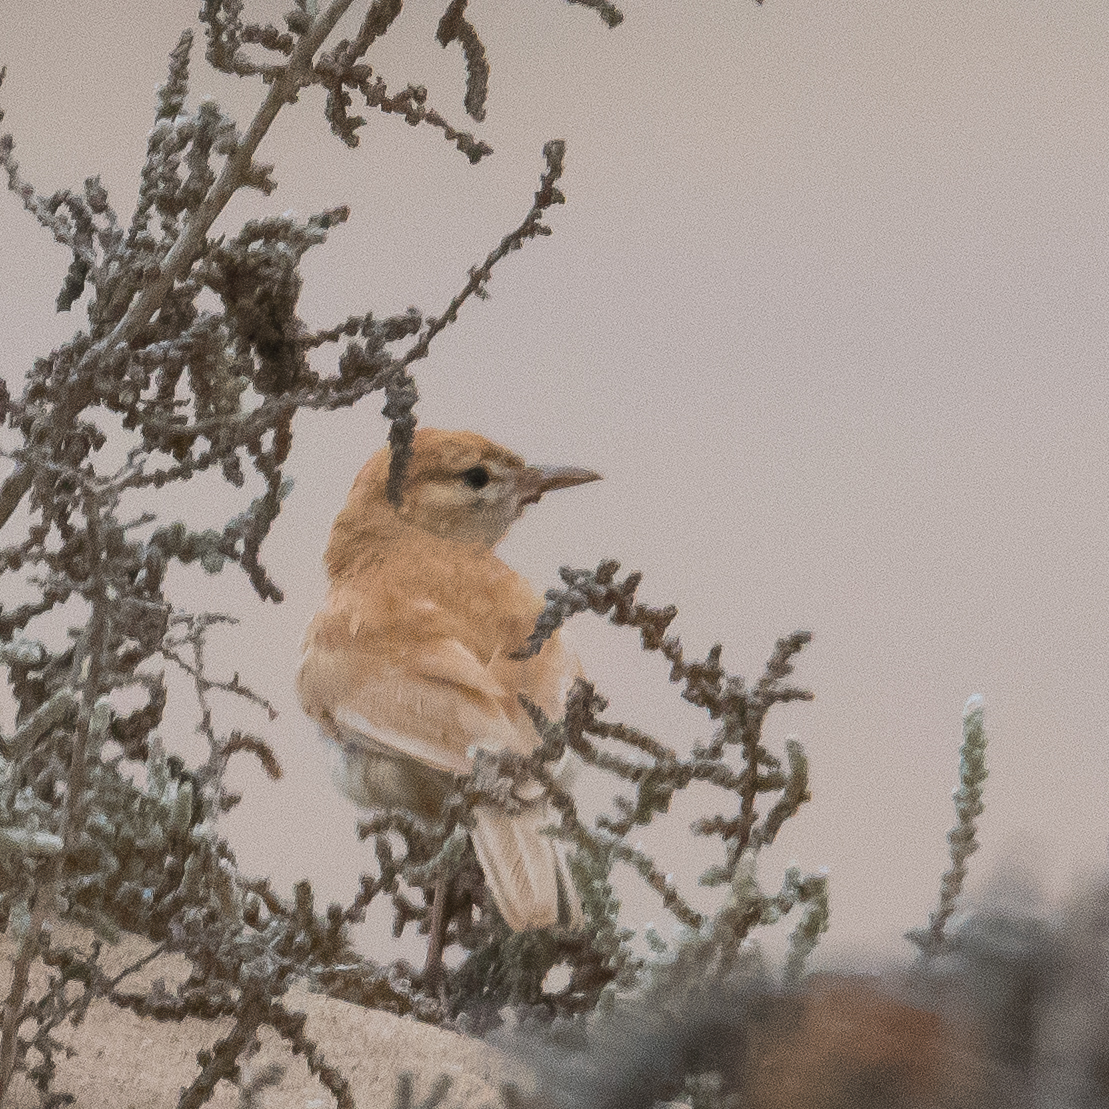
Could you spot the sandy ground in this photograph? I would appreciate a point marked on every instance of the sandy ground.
(129, 1062)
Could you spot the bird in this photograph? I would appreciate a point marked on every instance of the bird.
(412, 663)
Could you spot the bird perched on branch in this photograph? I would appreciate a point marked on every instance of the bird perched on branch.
(409, 667)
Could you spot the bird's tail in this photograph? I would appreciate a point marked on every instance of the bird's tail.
(525, 870)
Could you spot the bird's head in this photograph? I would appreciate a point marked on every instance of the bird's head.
(461, 486)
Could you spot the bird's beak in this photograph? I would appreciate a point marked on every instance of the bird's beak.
(537, 480)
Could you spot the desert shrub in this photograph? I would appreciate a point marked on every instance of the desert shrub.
(195, 362)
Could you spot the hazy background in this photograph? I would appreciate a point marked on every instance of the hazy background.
(827, 307)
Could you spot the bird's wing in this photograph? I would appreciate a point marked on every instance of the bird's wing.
(433, 699)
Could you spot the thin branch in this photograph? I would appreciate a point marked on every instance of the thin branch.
(609, 12)
(547, 195)
(96, 653)
(42, 905)
(963, 837)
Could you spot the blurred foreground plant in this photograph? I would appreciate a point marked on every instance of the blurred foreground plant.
(1005, 1007)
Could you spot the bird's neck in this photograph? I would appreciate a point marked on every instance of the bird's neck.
(360, 541)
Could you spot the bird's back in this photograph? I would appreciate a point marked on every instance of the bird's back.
(421, 641)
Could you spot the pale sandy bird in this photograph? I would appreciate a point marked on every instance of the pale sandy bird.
(410, 667)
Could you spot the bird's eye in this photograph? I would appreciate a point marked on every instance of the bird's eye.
(476, 477)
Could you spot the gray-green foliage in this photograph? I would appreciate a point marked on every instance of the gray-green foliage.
(962, 839)
(196, 361)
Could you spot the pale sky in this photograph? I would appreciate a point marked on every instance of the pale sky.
(826, 306)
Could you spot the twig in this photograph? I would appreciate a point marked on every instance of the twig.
(41, 906)
(962, 839)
